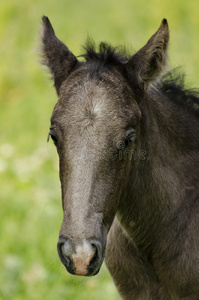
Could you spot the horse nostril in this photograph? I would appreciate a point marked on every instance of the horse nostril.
(64, 248)
(97, 254)
(94, 258)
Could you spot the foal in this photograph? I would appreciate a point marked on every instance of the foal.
(128, 146)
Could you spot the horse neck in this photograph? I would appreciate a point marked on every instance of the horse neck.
(170, 136)
(157, 185)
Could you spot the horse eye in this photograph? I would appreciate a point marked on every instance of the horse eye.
(130, 138)
(53, 137)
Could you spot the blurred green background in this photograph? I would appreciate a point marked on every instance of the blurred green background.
(30, 198)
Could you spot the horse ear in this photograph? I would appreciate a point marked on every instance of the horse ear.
(149, 61)
(56, 56)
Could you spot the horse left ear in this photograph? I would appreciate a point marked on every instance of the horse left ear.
(56, 56)
(146, 65)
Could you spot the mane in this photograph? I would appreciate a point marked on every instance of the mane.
(173, 85)
(104, 54)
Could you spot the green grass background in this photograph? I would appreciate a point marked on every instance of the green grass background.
(30, 198)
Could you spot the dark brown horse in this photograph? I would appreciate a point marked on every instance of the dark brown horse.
(128, 144)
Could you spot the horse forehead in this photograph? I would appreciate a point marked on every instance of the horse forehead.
(91, 98)
(93, 90)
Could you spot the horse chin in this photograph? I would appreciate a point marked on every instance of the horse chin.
(90, 272)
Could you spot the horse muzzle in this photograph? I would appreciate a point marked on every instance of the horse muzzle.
(82, 258)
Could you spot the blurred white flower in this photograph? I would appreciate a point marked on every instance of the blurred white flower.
(6, 150)
(3, 165)
(35, 272)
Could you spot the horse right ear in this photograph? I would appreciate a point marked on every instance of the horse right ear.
(56, 56)
(146, 65)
